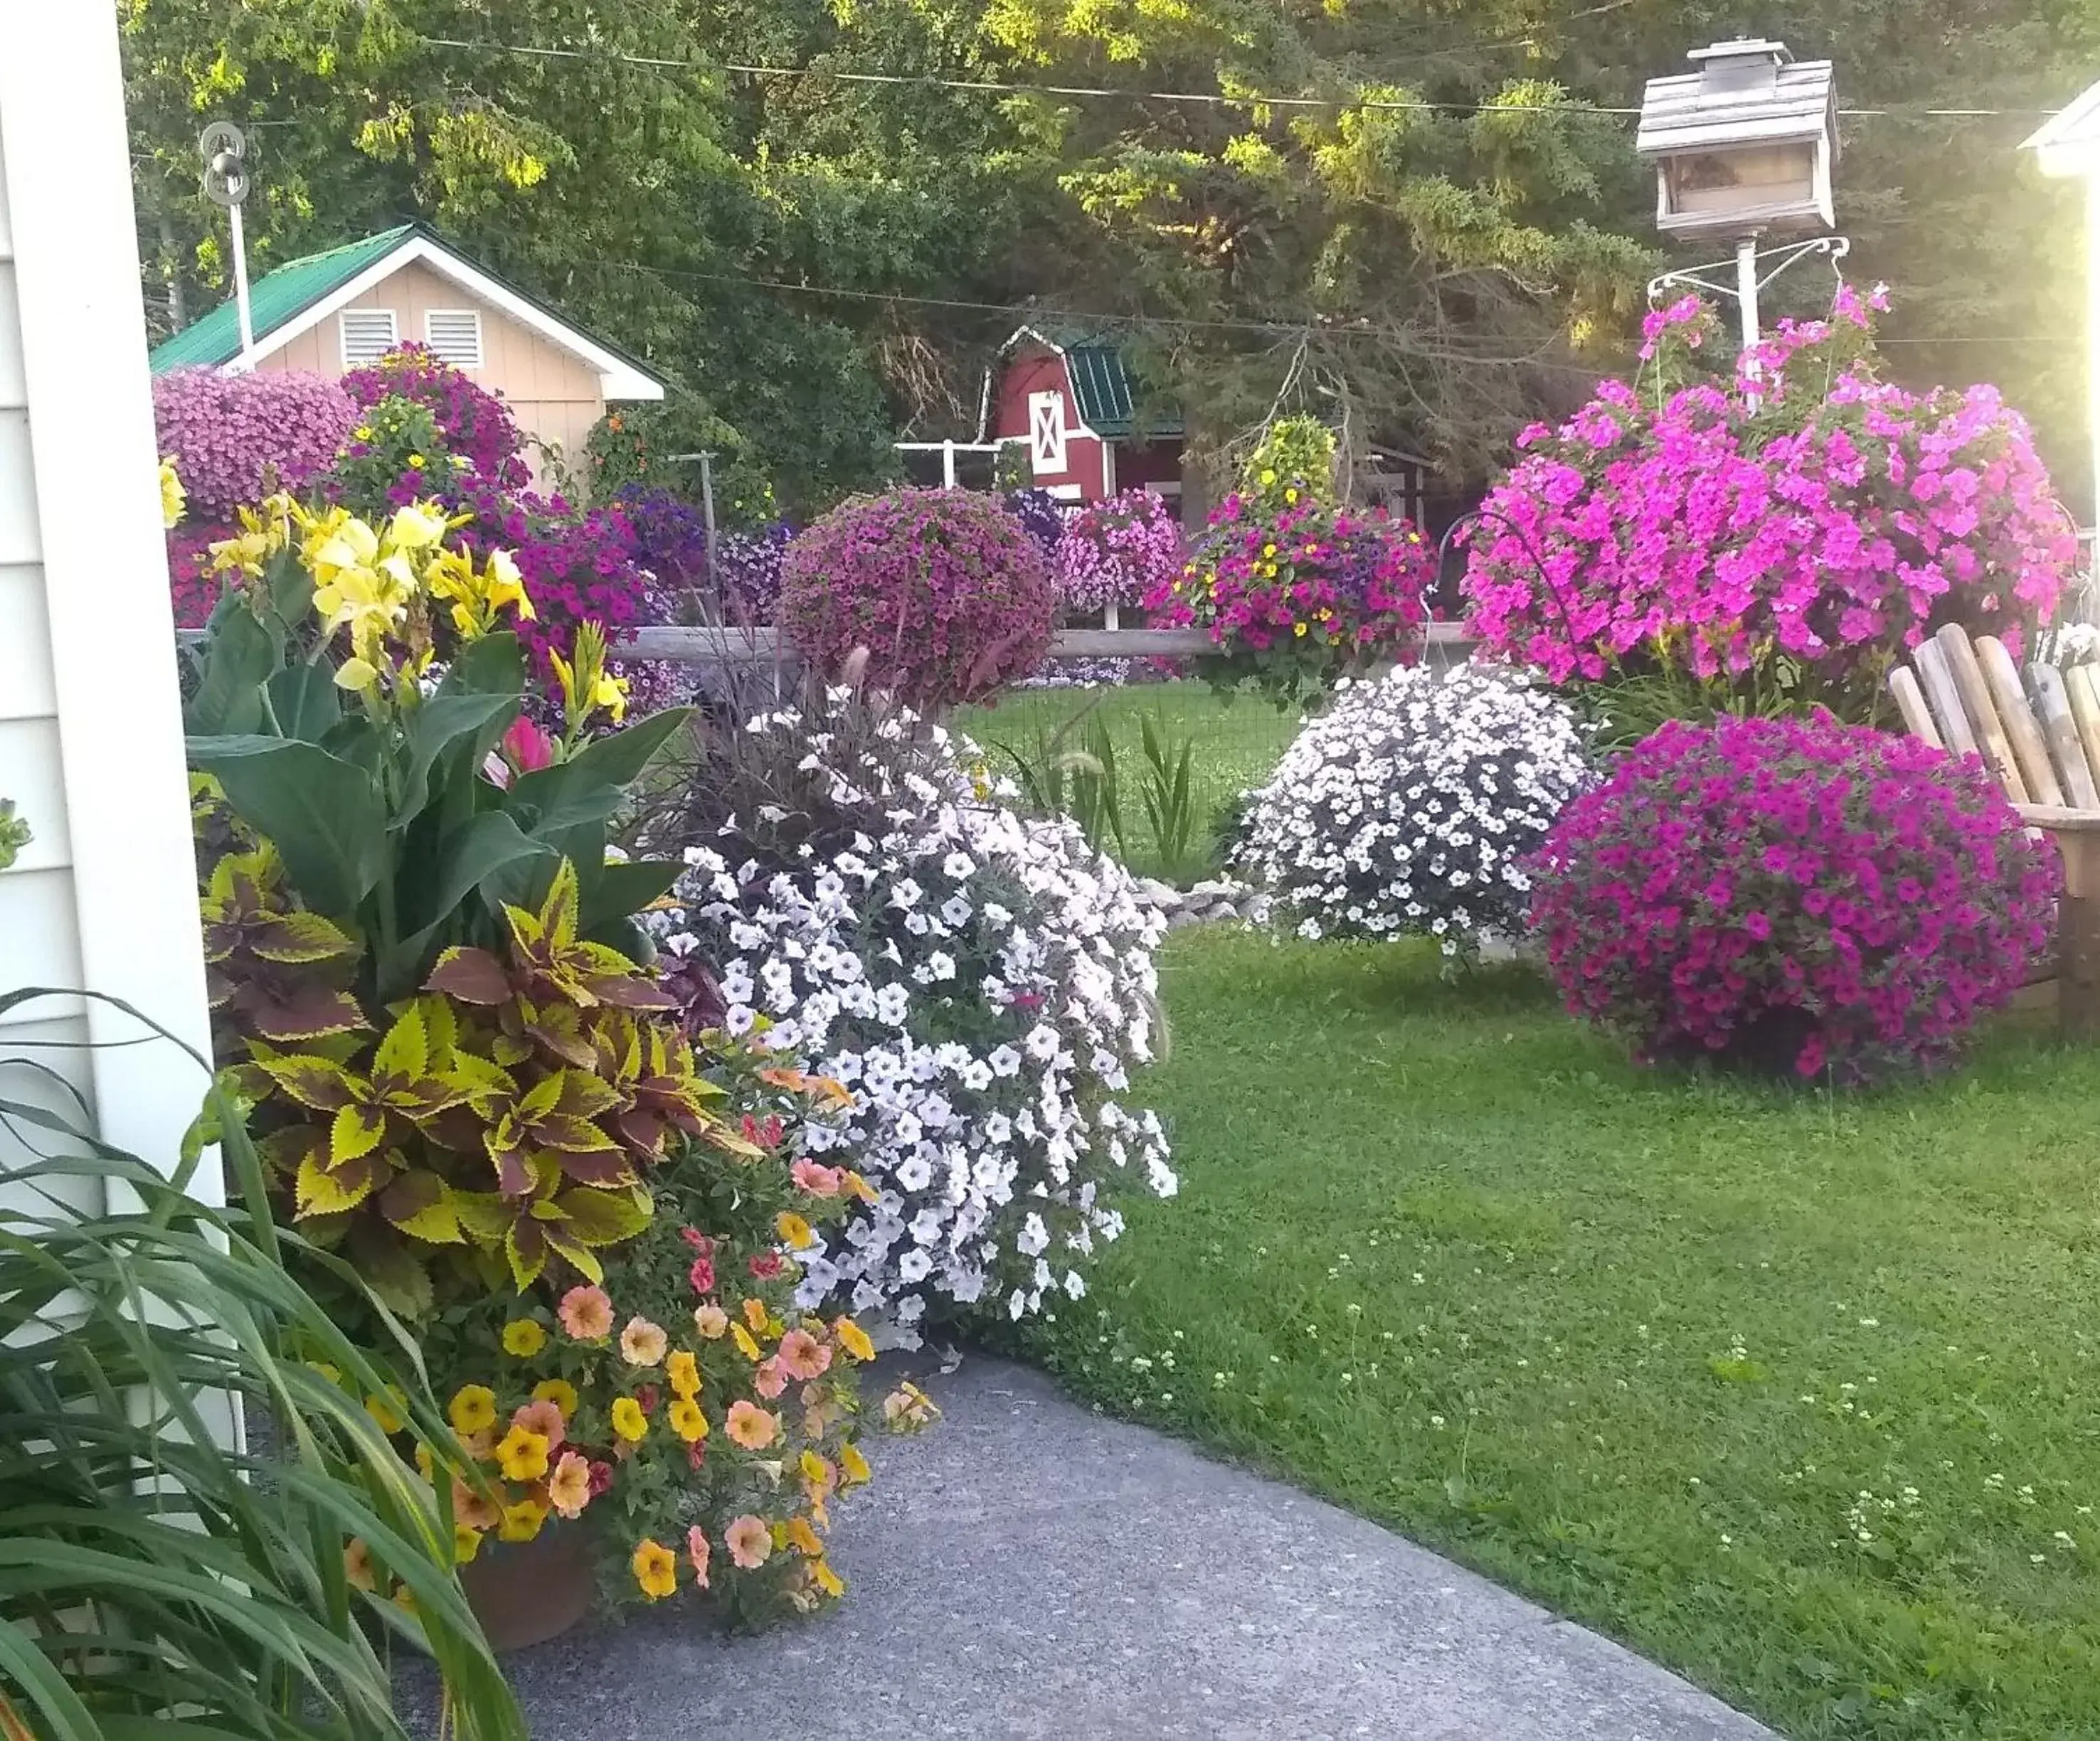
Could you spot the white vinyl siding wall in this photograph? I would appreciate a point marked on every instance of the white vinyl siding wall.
(91, 735)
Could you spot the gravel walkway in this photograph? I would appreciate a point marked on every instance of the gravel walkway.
(1030, 1569)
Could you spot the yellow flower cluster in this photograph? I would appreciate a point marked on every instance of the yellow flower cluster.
(641, 1403)
(371, 581)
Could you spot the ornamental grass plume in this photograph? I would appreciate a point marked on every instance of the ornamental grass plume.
(950, 599)
(1796, 532)
(1793, 895)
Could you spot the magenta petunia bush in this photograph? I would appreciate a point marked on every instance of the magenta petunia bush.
(475, 424)
(234, 438)
(1812, 514)
(950, 598)
(1793, 894)
(1117, 552)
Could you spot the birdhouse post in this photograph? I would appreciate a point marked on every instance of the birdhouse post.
(1744, 147)
(2067, 144)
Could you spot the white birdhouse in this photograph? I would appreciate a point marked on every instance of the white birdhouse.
(1745, 144)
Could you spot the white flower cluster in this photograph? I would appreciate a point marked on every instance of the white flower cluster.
(979, 981)
(1408, 805)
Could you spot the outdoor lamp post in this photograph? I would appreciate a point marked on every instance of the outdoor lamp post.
(2068, 143)
(1743, 148)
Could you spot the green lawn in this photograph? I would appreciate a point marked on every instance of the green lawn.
(1794, 1394)
(1236, 744)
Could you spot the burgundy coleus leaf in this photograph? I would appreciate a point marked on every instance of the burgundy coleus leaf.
(472, 976)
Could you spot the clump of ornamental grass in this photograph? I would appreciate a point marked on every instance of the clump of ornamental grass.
(1793, 895)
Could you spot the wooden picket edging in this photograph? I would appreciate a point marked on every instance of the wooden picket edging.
(761, 646)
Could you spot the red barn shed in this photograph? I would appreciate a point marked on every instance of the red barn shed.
(1067, 395)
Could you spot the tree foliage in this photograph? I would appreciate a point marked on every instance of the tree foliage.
(1437, 238)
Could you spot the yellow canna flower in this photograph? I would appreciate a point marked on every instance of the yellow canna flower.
(359, 674)
(417, 526)
(174, 498)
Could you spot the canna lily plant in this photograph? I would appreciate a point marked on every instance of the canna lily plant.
(378, 778)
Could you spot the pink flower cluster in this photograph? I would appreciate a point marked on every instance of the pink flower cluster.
(1118, 551)
(236, 437)
(1809, 510)
(195, 587)
(950, 598)
(473, 421)
(1296, 591)
(1792, 893)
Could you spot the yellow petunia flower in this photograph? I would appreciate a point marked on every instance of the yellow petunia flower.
(804, 1538)
(390, 1411)
(854, 1464)
(472, 1409)
(522, 1455)
(466, 1543)
(627, 1419)
(683, 1371)
(687, 1420)
(521, 1521)
(524, 1337)
(852, 1339)
(745, 1346)
(656, 1569)
(559, 1391)
(827, 1580)
(793, 1230)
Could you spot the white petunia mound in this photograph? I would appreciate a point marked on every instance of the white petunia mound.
(1408, 805)
(980, 982)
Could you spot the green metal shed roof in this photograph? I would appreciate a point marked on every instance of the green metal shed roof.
(273, 299)
(1101, 384)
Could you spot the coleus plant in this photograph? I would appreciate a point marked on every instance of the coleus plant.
(503, 1119)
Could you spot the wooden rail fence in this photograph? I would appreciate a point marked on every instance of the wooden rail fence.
(1447, 642)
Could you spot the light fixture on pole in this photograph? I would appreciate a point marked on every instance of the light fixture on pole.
(2068, 144)
(226, 182)
(1743, 149)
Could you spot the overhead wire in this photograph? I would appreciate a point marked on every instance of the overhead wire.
(1007, 87)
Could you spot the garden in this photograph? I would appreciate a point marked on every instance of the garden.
(1582, 1104)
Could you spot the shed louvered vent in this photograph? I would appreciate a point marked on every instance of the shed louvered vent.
(368, 335)
(454, 334)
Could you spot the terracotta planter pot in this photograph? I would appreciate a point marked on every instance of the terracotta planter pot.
(525, 1593)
